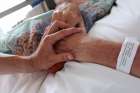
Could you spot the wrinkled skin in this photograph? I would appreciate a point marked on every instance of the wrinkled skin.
(68, 13)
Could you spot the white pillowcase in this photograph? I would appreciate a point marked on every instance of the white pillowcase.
(123, 21)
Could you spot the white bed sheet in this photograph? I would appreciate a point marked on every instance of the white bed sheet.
(89, 78)
(74, 78)
(86, 78)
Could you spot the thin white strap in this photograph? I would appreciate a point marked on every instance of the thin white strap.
(127, 55)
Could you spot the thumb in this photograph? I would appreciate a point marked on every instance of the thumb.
(64, 57)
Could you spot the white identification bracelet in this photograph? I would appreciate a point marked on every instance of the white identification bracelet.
(127, 55)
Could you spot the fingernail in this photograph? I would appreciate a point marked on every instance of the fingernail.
(70, 57)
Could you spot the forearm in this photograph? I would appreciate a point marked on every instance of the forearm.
(104, 53)
(15, 64)
(98, 51)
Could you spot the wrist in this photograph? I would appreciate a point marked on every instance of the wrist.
(30, 61)
(24, 63)
(98, 51)
(82, 50)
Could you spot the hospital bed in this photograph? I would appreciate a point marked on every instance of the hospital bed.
(123, 21)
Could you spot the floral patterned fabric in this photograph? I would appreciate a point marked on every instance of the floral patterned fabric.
(25, 37)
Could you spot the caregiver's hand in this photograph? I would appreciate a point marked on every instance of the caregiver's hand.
(45, 56)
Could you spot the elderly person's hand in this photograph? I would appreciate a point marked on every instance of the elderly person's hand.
(71, 44)
(45, 56)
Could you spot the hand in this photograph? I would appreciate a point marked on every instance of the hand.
(74, 44)
(55, 27)
(70, 44)
(45, 56)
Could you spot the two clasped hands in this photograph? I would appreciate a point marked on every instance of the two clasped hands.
(53, 47)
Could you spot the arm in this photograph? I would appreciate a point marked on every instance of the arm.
(87, 49)
(98, 51)
(14, 63)
(105, 53)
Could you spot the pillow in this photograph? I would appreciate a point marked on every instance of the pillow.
(123, 21)
(3, 47)
(22, 34)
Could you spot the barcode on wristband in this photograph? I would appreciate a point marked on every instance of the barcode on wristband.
(127, 55)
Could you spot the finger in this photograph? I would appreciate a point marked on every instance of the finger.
(61, 24)
(56, 26)
(63, 57)
(62, 34)
(46, 31)
(57, 15)
(56, 67)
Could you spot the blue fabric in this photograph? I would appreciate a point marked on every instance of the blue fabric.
(93, 10)
(36, 2)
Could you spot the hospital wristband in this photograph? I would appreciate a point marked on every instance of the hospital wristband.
(127, 55)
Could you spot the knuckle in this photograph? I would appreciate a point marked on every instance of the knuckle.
(57, 24)
(64, 57)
